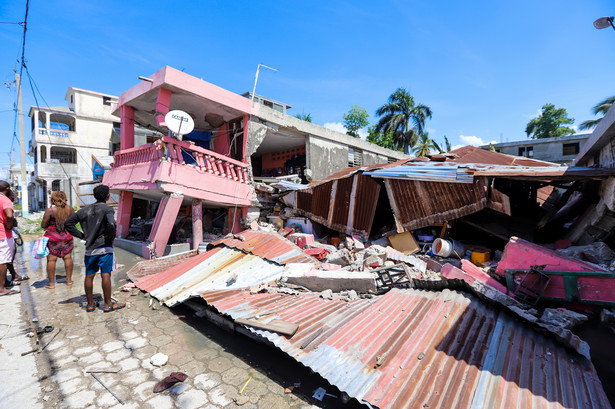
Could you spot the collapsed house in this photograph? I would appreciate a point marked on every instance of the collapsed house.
(170, 190)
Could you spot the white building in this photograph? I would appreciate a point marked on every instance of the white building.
(65, 141)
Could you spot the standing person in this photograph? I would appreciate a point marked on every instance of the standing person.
(7, 244)
(16, 278)
(60, 241)
(98, 225)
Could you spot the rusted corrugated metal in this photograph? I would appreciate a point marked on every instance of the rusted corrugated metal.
(268, 245)
(473, 154)
(341, 205)
(304, 200)
(366, 199)
(157, 265)
(418, 204)
(347, 212)
(418, 349)
(220, 268)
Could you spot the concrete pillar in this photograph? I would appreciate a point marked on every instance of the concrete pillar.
(197, 223)
(124, 209)
(127, 128)
(233, 220)
(163, 104)
(163, 223)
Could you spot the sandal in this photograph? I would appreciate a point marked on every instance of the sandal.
(21, 278)
(91, 308)
(114, 306)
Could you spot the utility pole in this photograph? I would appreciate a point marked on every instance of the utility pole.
(24, 180)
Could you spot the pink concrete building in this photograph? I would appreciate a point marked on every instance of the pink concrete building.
(206, 179)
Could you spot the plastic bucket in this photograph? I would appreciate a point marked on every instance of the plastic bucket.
(447, 248)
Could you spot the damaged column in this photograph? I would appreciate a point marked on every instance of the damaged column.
(163, 223)
(197, 223)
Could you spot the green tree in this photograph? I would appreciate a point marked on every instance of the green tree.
(601, 108)
(447, 144)
(304, 117)
(355, 119)
(550, 123)
(386, 140)
(405, 119)
(424, 145)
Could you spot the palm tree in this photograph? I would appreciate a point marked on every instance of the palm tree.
(601, 108)
(424, 145)
(402, 117)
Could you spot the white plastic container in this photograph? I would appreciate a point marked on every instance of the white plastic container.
(448, 248)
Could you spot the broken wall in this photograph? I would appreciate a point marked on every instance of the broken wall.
(325, 157)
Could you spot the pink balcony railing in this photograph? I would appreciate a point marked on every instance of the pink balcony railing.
(171, 149)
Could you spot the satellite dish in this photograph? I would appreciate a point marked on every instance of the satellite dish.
(603, 22)
(179, 122)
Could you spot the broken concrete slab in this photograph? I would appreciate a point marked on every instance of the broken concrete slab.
(342, 257)
(315, 244)
(479, 274)
(562, 317)
(597, 253)
(320, 280)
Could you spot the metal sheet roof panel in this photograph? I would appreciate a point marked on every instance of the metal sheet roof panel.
(411, 348)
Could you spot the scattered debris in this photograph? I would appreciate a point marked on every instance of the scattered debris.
(562, 317)
(320, 393)
(276, 325)
(159, 359)
(169, 381)
(108, 369)
(245, 385)
(109, 390)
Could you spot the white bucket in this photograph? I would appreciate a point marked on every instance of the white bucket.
(447, 248)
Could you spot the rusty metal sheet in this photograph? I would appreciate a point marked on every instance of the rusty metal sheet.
(366, 199)
(304, 200)
(415, 349)
(321, 199)
(268, 245)
(341, 204)
(473, 154)
(418, 204)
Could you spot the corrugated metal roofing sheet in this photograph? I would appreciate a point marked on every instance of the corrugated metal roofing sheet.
(473, 154)
(268, 245)
(419, 349)
(218, 269)
(426, 171)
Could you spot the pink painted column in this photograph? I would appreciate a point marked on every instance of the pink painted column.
(197, 223)
(127, 127)
(163, 224)
(123, 213)
(233, 220)
(163, 104)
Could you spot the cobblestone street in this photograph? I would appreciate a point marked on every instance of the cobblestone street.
(218, 364)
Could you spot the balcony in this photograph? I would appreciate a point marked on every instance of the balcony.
(169, 165)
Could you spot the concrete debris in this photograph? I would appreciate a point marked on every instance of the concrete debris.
(330, 248)
(327, 294)
(263, 187)
(597, 253)
(562, 317)
(607, 316)
(159, 359)
(350, 295)
(341, 257)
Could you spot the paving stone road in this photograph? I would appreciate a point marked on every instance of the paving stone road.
(218, 364)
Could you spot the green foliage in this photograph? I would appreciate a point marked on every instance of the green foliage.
(447, 144)
(550, 124)
(601, 108)
(304, 117)
(404, 119)
(355, 119)
(491, 147)
(424, 145)
(386, 140)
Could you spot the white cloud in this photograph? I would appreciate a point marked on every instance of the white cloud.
(474, 140)
(456, 147)
(339, 127)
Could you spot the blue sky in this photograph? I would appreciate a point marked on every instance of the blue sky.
(484, 67)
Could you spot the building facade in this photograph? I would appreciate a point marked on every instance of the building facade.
(562, 150)
(208, 175)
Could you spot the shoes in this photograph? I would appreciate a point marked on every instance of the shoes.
(169, 381)
(114, 306)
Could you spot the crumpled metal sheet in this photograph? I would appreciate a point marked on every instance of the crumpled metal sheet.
(413, 349)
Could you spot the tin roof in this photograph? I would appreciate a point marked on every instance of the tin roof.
(416, 349)
(217, 269)
(473, 154)
(268, 245)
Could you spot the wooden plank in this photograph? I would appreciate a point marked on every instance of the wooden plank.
(279, 326)
(107, 369)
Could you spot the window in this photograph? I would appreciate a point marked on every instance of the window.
(570, 149)
(527, 151)
(43, 154)
(106, 100)
(63, 155)
(355, 157)
(55, 185)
